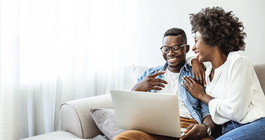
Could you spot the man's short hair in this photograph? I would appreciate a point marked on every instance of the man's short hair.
(176, 32)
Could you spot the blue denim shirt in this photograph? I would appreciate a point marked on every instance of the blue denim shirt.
(197, 108)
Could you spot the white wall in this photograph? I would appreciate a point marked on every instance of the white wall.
(147, 20)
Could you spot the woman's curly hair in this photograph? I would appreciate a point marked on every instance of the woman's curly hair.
(219, 28)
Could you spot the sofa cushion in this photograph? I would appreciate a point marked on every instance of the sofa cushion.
(57, 135)
(106, 121)
(139, 70)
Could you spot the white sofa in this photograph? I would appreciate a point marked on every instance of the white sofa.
(77, 123)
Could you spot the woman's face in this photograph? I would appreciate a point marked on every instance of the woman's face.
(202, 51)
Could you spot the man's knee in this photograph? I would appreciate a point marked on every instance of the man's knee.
(132, 135)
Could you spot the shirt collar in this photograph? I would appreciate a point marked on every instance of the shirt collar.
(186, 66)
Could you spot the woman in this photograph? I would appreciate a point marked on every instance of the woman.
(233, 92)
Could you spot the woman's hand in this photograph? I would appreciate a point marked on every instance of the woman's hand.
(195, 132)
(196, 90)
(198, 71)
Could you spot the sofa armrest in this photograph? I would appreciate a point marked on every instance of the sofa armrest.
(75, 115)
(260, 70)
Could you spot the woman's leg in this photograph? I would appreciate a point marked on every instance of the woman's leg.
(251, 131)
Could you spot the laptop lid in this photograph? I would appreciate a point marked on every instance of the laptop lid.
(153, 113)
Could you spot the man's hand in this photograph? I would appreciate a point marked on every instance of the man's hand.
(195, 132)
(198, 71)
(150, 83)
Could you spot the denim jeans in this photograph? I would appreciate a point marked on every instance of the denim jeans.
(250, 131)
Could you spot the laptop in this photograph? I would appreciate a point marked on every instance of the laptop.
(154, 113)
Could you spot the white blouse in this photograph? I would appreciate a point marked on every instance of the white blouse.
(237, 91)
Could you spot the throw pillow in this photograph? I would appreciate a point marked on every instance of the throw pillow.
(99, 137)
(106, 122)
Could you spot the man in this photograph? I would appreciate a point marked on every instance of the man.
(168, 79)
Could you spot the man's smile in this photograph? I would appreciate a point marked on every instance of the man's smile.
(172, 59)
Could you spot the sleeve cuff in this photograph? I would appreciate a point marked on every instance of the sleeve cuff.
(189, 60)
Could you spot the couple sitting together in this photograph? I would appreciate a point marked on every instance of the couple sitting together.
(222, 100)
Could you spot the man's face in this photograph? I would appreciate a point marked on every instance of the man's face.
(175, 59)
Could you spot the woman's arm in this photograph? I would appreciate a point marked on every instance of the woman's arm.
(196, 90)
(198, 69)
(237, 98)
(238, 94)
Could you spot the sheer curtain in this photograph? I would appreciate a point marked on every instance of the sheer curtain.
(53, 51)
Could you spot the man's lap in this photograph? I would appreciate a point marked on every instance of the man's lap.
(140, 135)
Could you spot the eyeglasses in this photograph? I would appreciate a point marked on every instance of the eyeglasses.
(175, 48)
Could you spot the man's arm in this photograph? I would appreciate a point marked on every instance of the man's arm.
(199, 131)
(209, 122)
(150, 83)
